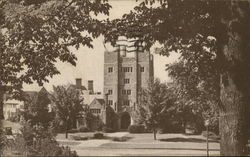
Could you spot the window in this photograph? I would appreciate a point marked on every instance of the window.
(126, 81)
(126, 102)
(129, 92)
(126, 92)
(110, 91)
(123, 91)
(110, 69)
(98, 111)
(126, 69)
(110, 102)
(142, 69)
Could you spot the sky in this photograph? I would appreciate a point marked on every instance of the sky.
(90, 61)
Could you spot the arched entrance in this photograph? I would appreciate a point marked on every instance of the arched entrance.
(125, 120)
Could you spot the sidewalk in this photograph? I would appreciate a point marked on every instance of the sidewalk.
(144, 145)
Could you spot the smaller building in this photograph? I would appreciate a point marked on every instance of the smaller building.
(96, 106)
(11, 107)
(87, 93)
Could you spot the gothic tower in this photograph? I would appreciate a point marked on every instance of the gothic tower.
(126, 69)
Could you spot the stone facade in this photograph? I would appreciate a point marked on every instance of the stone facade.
(125, 73)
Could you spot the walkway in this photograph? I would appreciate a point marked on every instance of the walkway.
(144, 145)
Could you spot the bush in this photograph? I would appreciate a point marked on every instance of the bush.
(83, 129)
(211, 134)
(8, 131)
(79, 138)
(107, 129)
(98, 135)
(120, 139)
(73, 131)
(136, 129)
(43, 145)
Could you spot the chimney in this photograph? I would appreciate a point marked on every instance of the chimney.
(91, 86)
(78, 83)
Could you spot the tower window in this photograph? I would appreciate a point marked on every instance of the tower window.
(123, 91)
(126, 102)
(129, 92)
(126, 81)
(110, 91)
(110, 69)
(142, 69)
(126, 69)
(110, 102)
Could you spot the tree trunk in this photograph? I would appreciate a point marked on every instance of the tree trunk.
(234, 86)
(154, 131)
(232, 121)
(67, 128)
(1, 104)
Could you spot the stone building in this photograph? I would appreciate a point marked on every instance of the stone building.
(127, 69)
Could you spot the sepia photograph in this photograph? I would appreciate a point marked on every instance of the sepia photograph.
(124, 78)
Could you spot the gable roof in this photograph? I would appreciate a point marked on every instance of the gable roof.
(96, 103)
(101, 101)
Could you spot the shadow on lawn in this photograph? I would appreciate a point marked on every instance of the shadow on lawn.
(196, 140)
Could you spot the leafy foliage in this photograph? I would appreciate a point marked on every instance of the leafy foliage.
(67, 105)
(36, 141)
(35, 34)
(136, 128)
(36, 109)
(220, 66)
(153, 104)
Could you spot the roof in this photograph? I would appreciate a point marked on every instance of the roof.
(13, 101)
(101, 101)
(96, 103)
(31, 93)
(74, 86)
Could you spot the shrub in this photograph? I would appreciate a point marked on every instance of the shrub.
(211, 134)
(98, 135)
(73, 131)
(136, 129)
(120, 139)
(43, 146)
(83, 129)
(79, 138)
(8, 131)
(107, 129)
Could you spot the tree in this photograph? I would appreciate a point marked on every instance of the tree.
(36, 141)
(35, 34)
(68, 105)
(153, 102)
(178, 25)
(37, 109)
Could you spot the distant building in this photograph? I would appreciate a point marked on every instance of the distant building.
(96, 106)
(126, 70)
(12, 106)
(87, 93)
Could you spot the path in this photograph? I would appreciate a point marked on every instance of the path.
(144, 145)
